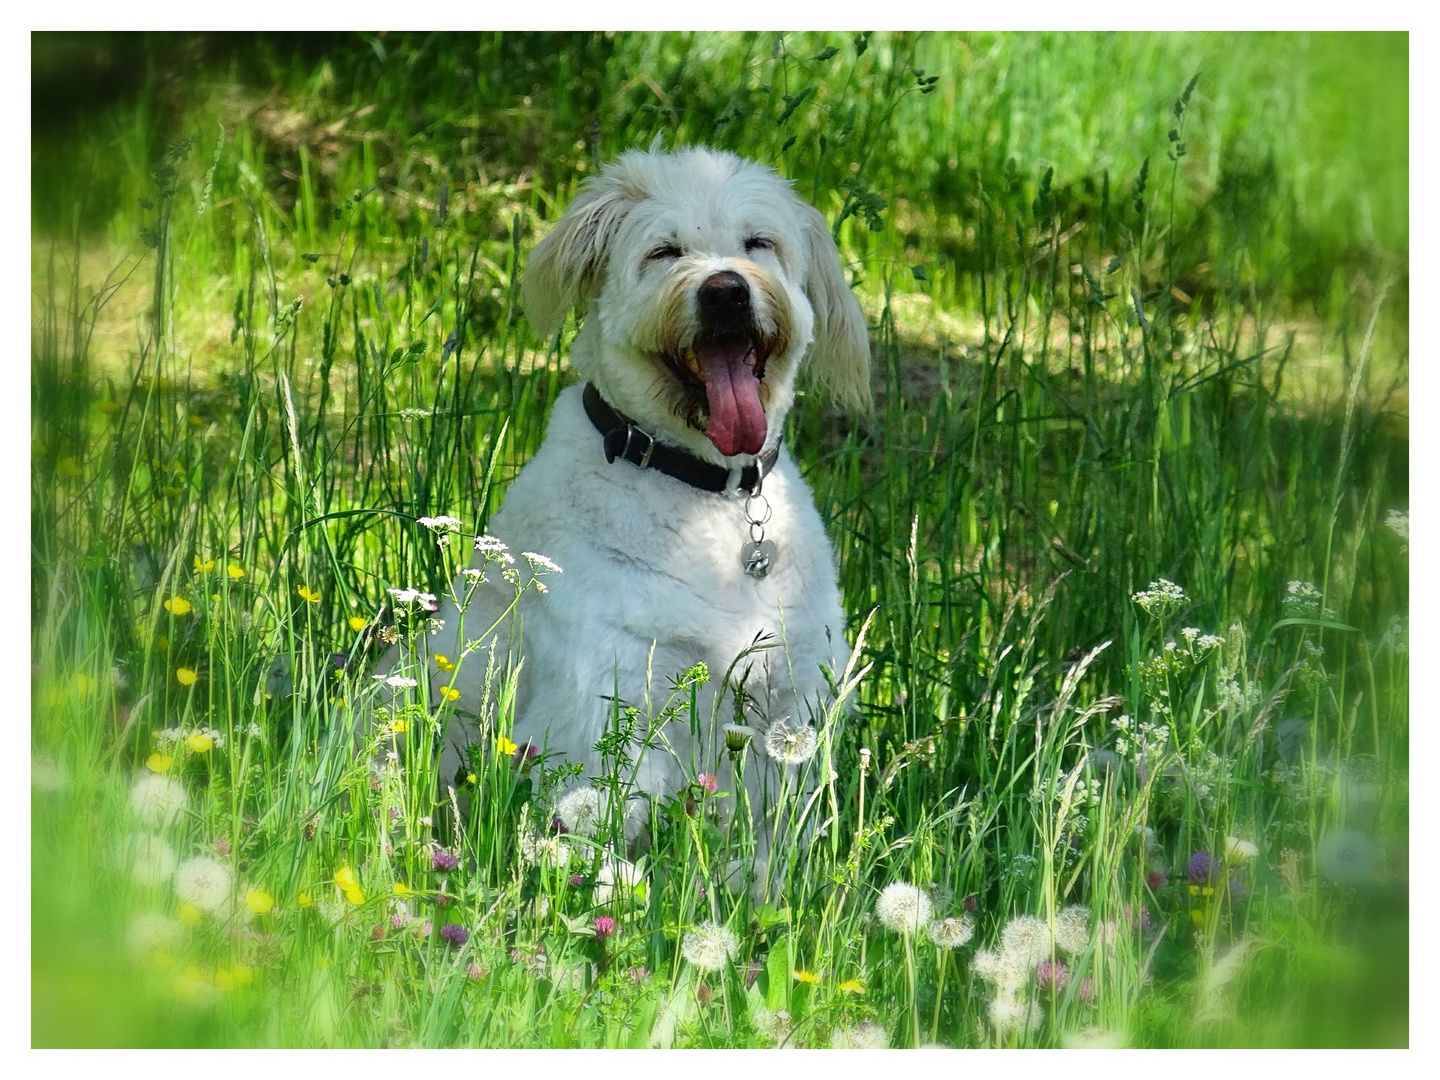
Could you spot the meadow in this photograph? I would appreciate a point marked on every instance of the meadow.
(1122, 759)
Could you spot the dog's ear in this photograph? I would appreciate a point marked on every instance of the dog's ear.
(569, 263)
(841, 353)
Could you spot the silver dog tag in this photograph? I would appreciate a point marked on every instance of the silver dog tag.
(758, 558)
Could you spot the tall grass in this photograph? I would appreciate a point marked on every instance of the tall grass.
(306, 337)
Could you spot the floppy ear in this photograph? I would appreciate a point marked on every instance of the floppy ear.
(841, 353)
(566, 266)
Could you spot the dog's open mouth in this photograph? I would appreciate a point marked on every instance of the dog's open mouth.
(730, 370)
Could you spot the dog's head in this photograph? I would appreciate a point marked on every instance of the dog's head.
(704, 280)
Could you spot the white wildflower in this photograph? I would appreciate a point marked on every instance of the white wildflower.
(1209, 641)
(443, 523)
(157, 800)
(1190, 633)
(398, 682)
(471, 574)
(953, 932)
(1093, 1038)
(254, 731)
(866, 1035)
(539, 564)
(790, 745)
(151, 859)
(1398, 522)
(579, 810)
(1161, 598)
(1072, 932)
(1302, 599)
(494, 550)
(708, 946)
(903, 908)
(204, 882)
(407, 597)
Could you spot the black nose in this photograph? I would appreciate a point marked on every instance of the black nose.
(724, 295)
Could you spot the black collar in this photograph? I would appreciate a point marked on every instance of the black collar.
(624, 440)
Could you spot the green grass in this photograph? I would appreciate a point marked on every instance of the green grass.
(276, 321)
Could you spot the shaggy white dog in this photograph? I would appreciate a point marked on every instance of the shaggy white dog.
(704, 281)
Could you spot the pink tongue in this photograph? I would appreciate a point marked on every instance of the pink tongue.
(737, 419)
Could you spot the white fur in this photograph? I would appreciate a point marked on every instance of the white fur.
(652, 579)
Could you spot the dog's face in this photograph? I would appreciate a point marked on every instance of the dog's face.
(705, 280)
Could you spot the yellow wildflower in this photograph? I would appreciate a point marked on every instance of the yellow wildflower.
(85, 684)
(852, 986)
(505, 746)
(402, 890)
(399, 726)
(309, 595)
(67, 468)
(178, 605)
(243, 973)
(158, 762)
(805, 977)
(109, 408)
(199, 743)
(355, 896)
(358, 622)
(470, 778)
(345, 878)
(1197, 916)
(259, 901)
(449, 693)
(304, 899)
(171, 492)
(187, 676)
(235, 571)
(224, 981)
(322, 962)
(189, 914)
(443, 662)
(203, 566)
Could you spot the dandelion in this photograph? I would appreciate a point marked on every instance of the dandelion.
(150, 934)
(790, 746)
(866, 1035)
(580, 811)
(737, 737)
(186, 676)
(1347, 857)
(199, 742)
(235, 571)
(951, 933)
(190, 915)
(156, 799)
(1161, 598)
(852, 986)
(358, 622)
(1072, 929)
(709, 946)
(259, 901)
(807, 977)
(1005, 1014)
(1093, 1038)
(614, 877)
(903, 908)
(178, 605)
(454, 934)
(1026, 939)
(151, 859)
(304, 899)
(204, 882)
(1237, 850)
(443, 861)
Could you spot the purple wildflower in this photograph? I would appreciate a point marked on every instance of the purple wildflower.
(576, 880)
(1052, 975)
(752, 972)
(526, 754)
(1156, 879)
(971, 903)
(1202, 868)
(639, 974)
(1087, 990)
(1239, 889)
(454, 934)
(604, 927)
(444, 861)
(708, 782)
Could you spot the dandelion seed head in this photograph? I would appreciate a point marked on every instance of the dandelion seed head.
(1347, 857)
(866, 1035)
(204, 882)
(579, 810)
(157, 799)
(790, 745)
(903, 908)
(149, 934)
(709, 946)
(953, 932)
(151, 859)
(1026, 939)
(1072, 929)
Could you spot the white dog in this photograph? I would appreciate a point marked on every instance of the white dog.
(704, 282)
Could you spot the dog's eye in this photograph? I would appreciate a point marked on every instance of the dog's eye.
(664, 251)
(759, 243)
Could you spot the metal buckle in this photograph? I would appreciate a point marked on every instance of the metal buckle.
(630, 432)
